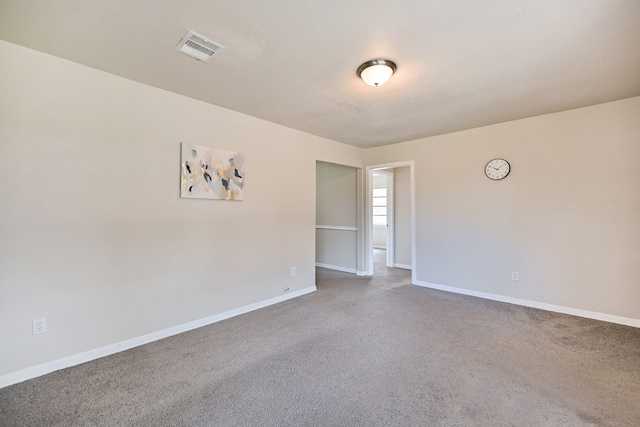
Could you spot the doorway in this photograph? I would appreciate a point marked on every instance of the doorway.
(400, 216)
(339, 218)
(382, 216)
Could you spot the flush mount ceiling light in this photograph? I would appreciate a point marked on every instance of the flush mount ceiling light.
(377, 71)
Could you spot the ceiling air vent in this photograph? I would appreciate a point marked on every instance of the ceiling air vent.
(198, 47)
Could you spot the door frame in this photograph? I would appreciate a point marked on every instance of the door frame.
(390, 231)
(368, 237)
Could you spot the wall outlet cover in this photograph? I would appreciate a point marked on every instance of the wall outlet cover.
(39, 326)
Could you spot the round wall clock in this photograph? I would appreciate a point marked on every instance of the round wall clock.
(497, 169)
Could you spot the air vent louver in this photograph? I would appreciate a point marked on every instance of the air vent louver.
(198, 47)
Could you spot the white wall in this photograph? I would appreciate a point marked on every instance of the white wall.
(94, 236)
(567, 218)
(379, 237)
(402, 216)
(336, 206)
(381, 180)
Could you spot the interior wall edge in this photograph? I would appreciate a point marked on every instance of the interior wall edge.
(535, 304)
(87, 356)
(337, 268)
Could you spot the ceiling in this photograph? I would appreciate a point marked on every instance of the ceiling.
(461, 63)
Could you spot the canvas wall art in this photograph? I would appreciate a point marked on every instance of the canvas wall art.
(209, 173)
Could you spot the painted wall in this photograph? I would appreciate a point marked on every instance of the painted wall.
(567, 218)
(402, 216)
(94, 236)
(379, 232)
(379, 237)
(336, 206)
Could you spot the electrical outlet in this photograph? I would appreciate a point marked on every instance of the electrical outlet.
(39, 326)
(514, 275)
(293, 271)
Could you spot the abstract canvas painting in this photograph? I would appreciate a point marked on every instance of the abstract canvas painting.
(209, 173)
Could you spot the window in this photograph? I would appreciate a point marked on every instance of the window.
(380, 207)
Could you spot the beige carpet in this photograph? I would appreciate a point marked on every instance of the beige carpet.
(359, 352)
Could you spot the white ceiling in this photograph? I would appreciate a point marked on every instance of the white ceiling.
(461, 63)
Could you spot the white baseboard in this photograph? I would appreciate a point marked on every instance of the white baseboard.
(46, 368)
(534, 304)
(336, 267)
(361, 273)
(405, 266)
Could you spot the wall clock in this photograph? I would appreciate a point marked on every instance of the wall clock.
(497, 169)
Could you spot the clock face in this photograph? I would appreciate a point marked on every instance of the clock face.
(497, 169)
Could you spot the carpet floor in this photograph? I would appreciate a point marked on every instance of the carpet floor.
(358, 352)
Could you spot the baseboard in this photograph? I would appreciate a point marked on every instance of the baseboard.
(46, 368)
(361, 273)
(335, 267)
(405, 266)
(535, 304)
